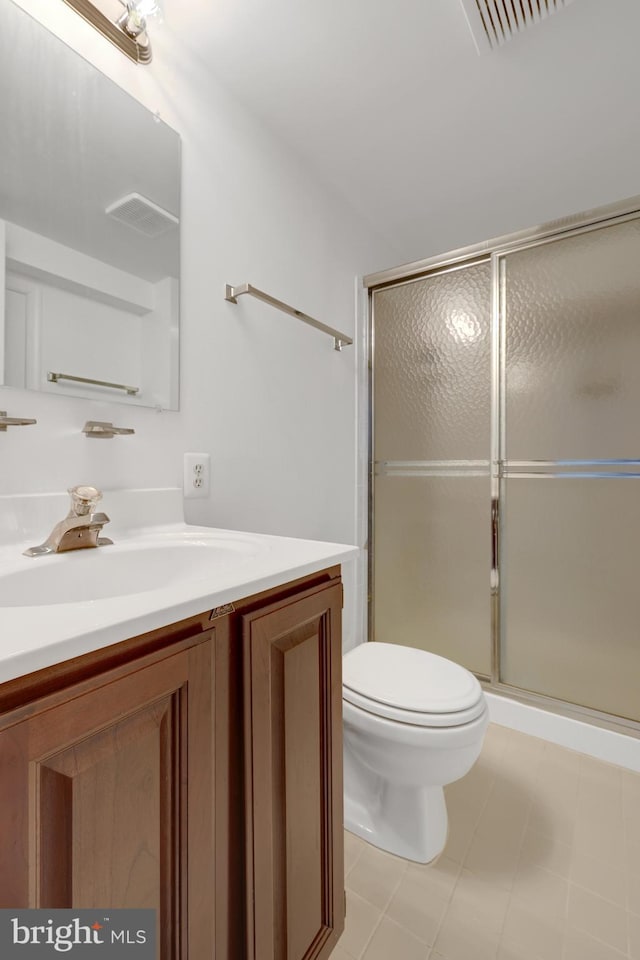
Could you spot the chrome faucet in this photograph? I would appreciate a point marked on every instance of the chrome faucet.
(79, 529)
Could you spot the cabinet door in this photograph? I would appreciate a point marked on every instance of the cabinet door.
(105, 807)
(293, 755)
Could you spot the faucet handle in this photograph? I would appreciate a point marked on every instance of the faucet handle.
(84, 500)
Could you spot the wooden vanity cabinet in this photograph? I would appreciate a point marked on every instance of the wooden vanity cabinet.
(292, 655)
(105, 788)
(195, 769)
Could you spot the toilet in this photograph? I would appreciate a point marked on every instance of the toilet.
(413, 722)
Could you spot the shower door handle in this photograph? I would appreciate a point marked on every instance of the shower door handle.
(495, 537)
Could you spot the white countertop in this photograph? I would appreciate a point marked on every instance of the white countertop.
(207, 567)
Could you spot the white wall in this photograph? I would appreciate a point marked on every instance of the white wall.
(270, 399)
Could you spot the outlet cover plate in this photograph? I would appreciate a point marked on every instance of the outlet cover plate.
(197, 474)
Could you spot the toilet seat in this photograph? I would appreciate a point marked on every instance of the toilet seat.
(411, 717)
(411, 686)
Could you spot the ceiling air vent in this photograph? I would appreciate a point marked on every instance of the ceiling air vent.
(143, 215)
(494, 22)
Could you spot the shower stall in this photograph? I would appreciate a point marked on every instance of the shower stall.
(505, 460)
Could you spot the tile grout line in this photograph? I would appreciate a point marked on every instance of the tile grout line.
(355, 862)
(518, 861)
(627, 871)
(447, 900)
(581, 791)
(454, 887)
(594, 893)
(383, 911)
(590, 936)
(461, 864)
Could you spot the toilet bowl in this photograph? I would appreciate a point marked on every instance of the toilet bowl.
(413, 722)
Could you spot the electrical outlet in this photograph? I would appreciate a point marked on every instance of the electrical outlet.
(197, 469)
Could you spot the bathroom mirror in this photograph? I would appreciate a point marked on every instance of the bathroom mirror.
(89, 228)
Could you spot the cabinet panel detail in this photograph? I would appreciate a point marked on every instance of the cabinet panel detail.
(293, 700)
(113, 795)
(118, 816)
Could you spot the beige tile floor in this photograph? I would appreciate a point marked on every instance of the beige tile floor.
(542, 863)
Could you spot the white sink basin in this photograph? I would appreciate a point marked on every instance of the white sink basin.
(160, 570)
(122, 569)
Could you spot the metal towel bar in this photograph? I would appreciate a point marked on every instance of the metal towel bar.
(340, 340)
(54, 377)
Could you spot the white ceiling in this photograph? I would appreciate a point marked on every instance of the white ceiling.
(389, 102)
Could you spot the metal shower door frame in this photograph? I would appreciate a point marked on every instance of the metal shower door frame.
(499, 468)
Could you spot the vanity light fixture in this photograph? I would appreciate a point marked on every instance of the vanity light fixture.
(125, 28)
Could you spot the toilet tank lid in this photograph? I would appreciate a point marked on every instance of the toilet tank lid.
(409, 679)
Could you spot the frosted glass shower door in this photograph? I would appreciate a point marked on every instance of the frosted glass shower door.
(431, 446)
(570, 533)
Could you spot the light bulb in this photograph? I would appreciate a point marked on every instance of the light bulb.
(134, 20)
(146, 8)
